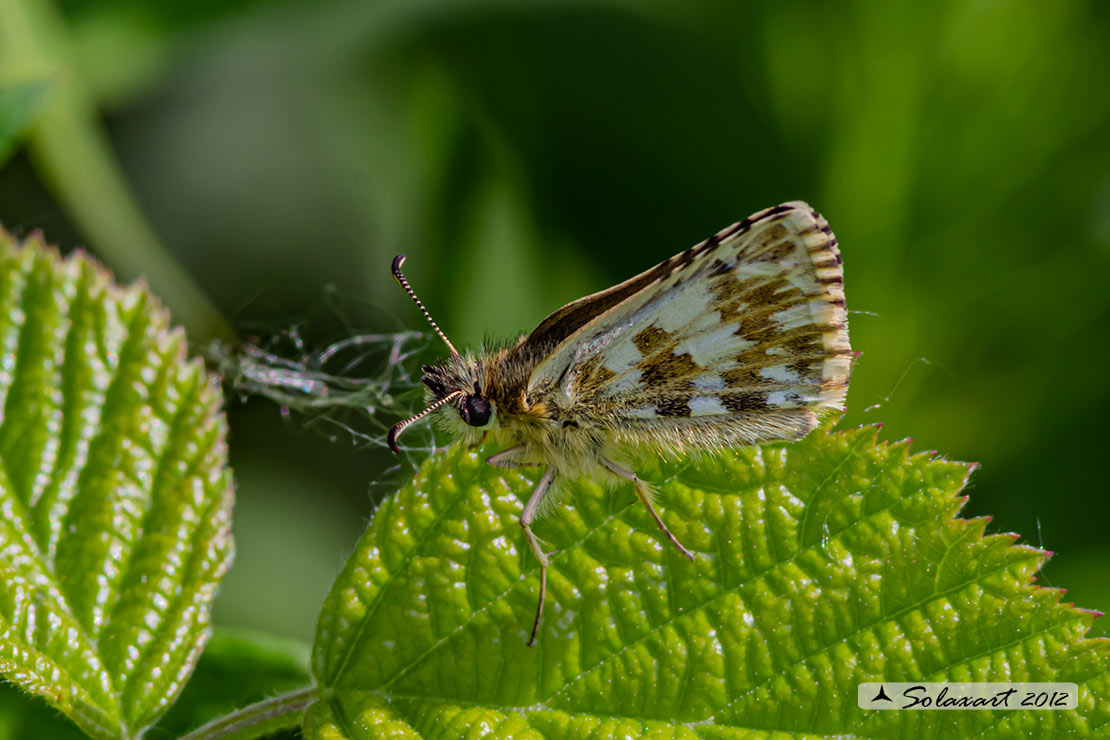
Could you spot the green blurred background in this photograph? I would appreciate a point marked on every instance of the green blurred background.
(524, 154)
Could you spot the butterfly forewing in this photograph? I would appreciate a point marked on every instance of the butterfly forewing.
(749, 322)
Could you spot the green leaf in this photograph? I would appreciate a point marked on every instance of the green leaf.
(115, 492)
(18, 106)
(822, 564)
(237, 667)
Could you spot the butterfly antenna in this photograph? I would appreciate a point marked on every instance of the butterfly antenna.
(397, 262)
(400, 426)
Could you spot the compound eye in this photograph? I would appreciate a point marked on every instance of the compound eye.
(475, 411)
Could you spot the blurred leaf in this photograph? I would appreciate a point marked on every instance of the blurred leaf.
(18, 106)
(115, 491)
(237, 668)
(824, 563)
(76, 161)
(121, 57)
(172, 16)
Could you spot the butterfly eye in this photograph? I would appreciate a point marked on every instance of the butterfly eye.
(475, 411)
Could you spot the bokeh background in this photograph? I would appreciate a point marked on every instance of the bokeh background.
(273, 156)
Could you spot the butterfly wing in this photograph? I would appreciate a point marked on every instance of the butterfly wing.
(734, 341)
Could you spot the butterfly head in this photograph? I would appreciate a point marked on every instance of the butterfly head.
(455, 382)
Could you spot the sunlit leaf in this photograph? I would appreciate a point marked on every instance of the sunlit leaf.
(115, 493)
(822, 564)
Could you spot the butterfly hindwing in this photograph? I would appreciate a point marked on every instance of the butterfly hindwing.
(750, 321)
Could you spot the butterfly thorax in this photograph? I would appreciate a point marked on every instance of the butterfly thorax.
(519, 415)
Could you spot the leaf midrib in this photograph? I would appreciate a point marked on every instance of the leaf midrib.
(28, 333)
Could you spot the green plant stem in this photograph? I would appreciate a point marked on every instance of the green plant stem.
(75, 160)
(259, 719)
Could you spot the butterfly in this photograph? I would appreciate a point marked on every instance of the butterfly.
(736, 341)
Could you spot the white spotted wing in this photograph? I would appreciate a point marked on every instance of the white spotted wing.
(734, 341)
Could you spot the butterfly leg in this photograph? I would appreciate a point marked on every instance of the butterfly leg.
(511, 457)
(526, 518)
(643, 492)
